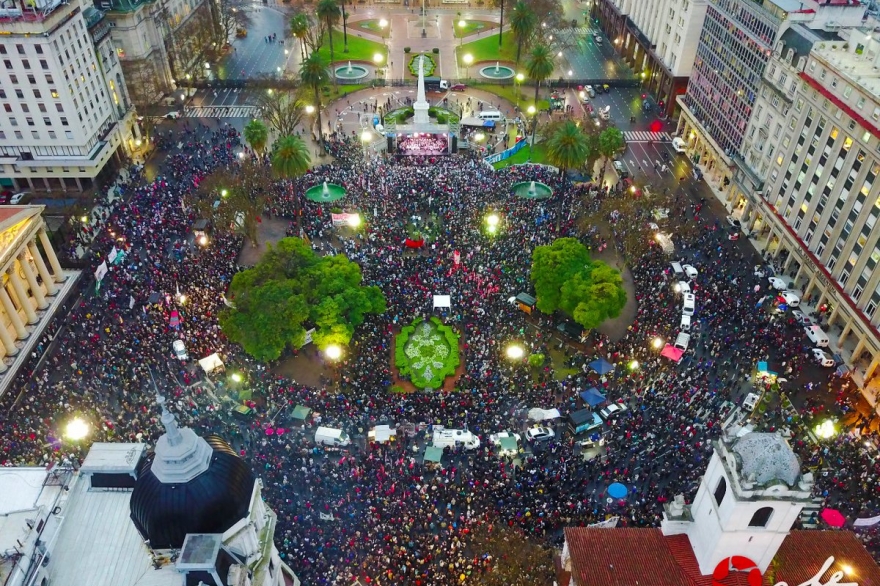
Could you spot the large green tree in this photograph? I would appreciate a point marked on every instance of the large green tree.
(610, 141)
(314, 73)
(522, 24)
(568, 147)
(540, 66)
(329, 13)
(281, 110)
(291, 290)
(567, 279)
(257, 135)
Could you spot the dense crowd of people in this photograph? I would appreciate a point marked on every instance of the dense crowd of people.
(378, 511)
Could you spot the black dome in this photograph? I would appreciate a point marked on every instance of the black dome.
(212, 502)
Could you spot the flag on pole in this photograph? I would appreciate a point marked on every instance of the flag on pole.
(131, 302)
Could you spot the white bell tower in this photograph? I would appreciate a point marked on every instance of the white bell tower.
(748, 500)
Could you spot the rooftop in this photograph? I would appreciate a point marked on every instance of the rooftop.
(766, 458)
(856, 58)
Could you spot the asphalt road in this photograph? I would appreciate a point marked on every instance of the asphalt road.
(252, 55)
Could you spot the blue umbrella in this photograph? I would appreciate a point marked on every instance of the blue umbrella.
(617, 490)
(601, 366)
(593, 397)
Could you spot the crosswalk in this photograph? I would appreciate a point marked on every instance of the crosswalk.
(219, 111)
(645, 136)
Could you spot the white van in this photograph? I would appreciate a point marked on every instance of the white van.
(685, 325)
(455, 437)
(690, 302)
(679, 144)
(331, 437)
(682, 287)
(817, 336)
(677, 270)
(682, 341)
(491, 115)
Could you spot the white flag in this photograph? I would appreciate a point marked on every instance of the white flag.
(101, 271)
(131, 302)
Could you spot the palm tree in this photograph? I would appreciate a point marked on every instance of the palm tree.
(540, 66)
(314, 73)
(257, 135)
(328, 11)
(290, 158)
(299, 28)
(568, 147)
(522, 24)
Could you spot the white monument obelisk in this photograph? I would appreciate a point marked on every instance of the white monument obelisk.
(421, 106)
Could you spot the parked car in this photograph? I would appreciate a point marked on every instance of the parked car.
(733, 222)
(457, 87)
(790, 297)
(817, 336)
(16, 198)
(179, 349)
(174, 115)
(679, 144)
(822, 358)
(690, 303)
(590, 91)
(540, 434)
(621, 169)
(690, 271)
(802, 318)
(495, 438)
(778, 283)
(612, 409)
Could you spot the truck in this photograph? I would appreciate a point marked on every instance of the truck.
(455, 438)
(435, 84)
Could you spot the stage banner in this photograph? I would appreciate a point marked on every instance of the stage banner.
(342, 219)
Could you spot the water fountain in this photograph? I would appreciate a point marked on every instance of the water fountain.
(325, 192)
(350, 71)
(497, 71)
(532, 190)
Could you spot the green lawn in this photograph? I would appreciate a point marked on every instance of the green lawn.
(358, 49)
(538, 156)
(371, 26)
(487, 50)
(474, 26)
(344, 90)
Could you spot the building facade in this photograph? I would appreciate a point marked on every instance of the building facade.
(160, 42)
(818, 209)
(736, 43)
(65, 108)
(660, 50)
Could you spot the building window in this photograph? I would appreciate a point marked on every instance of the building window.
(761, 517)
(68, 134)
(847, 91)
(720, 491)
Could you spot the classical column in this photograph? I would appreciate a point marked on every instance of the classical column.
(51, 289)
(23, 298)
(12, 313)
(36, 290)
(50, 254)
(8, 342)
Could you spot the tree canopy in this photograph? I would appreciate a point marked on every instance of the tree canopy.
(235, 197)
(291, 290)
(569, 147)
(567, 279)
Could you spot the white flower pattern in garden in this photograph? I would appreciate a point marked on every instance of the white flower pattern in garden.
(426, 348)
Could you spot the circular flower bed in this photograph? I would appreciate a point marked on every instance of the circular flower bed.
(427, 352)
(430, 65)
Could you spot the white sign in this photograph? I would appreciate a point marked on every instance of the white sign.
(442, 301)
(112, 256)
(101, 271)
(309, 334)
(327, 517)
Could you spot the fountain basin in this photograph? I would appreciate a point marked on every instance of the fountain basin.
(325, 192)
(497, 71)
(350, 71)
(532, 190)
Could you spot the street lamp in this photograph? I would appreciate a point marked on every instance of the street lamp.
(492, 221)
(468, 59)
(236, 377)
(366, 136)
(515, 352)
(520, 77)
(224, 193)
(333, 352)
(354, 220)
(826, 429)
(461, 25)
(76, 429)
(657, 343)
(533, 112)
(634, 365)
(310, 109)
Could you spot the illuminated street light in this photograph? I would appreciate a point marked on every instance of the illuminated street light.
(333, 352)
(378, 58)
(634, 365)
(236, 377)
(354, 220)
(84, 219)
(203, 240)
(515, 352)
(657, 343)
(76, 429)
(826, 429)
(531, 110)
(520, 77)
(383, 23)
(207, 65)
(462, 23)
(559, 54)
(632, 188)
(492, 221)
(224, 193)
(479, 137)
(569, 73)
(138, 142)
(310, 109)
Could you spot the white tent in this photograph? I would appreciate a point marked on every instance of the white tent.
(543, 414)
(382, 434)
(210, 363)
(442, 301)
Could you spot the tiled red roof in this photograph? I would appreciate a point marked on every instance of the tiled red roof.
(644, 557)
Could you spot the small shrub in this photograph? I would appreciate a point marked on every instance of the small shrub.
(536, 360)
(435, 50)
(406, 49)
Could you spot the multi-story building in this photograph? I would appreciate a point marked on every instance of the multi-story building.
(818, 209)
(160, 42)
(736, 42)
(65, 107)
(660, 50)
